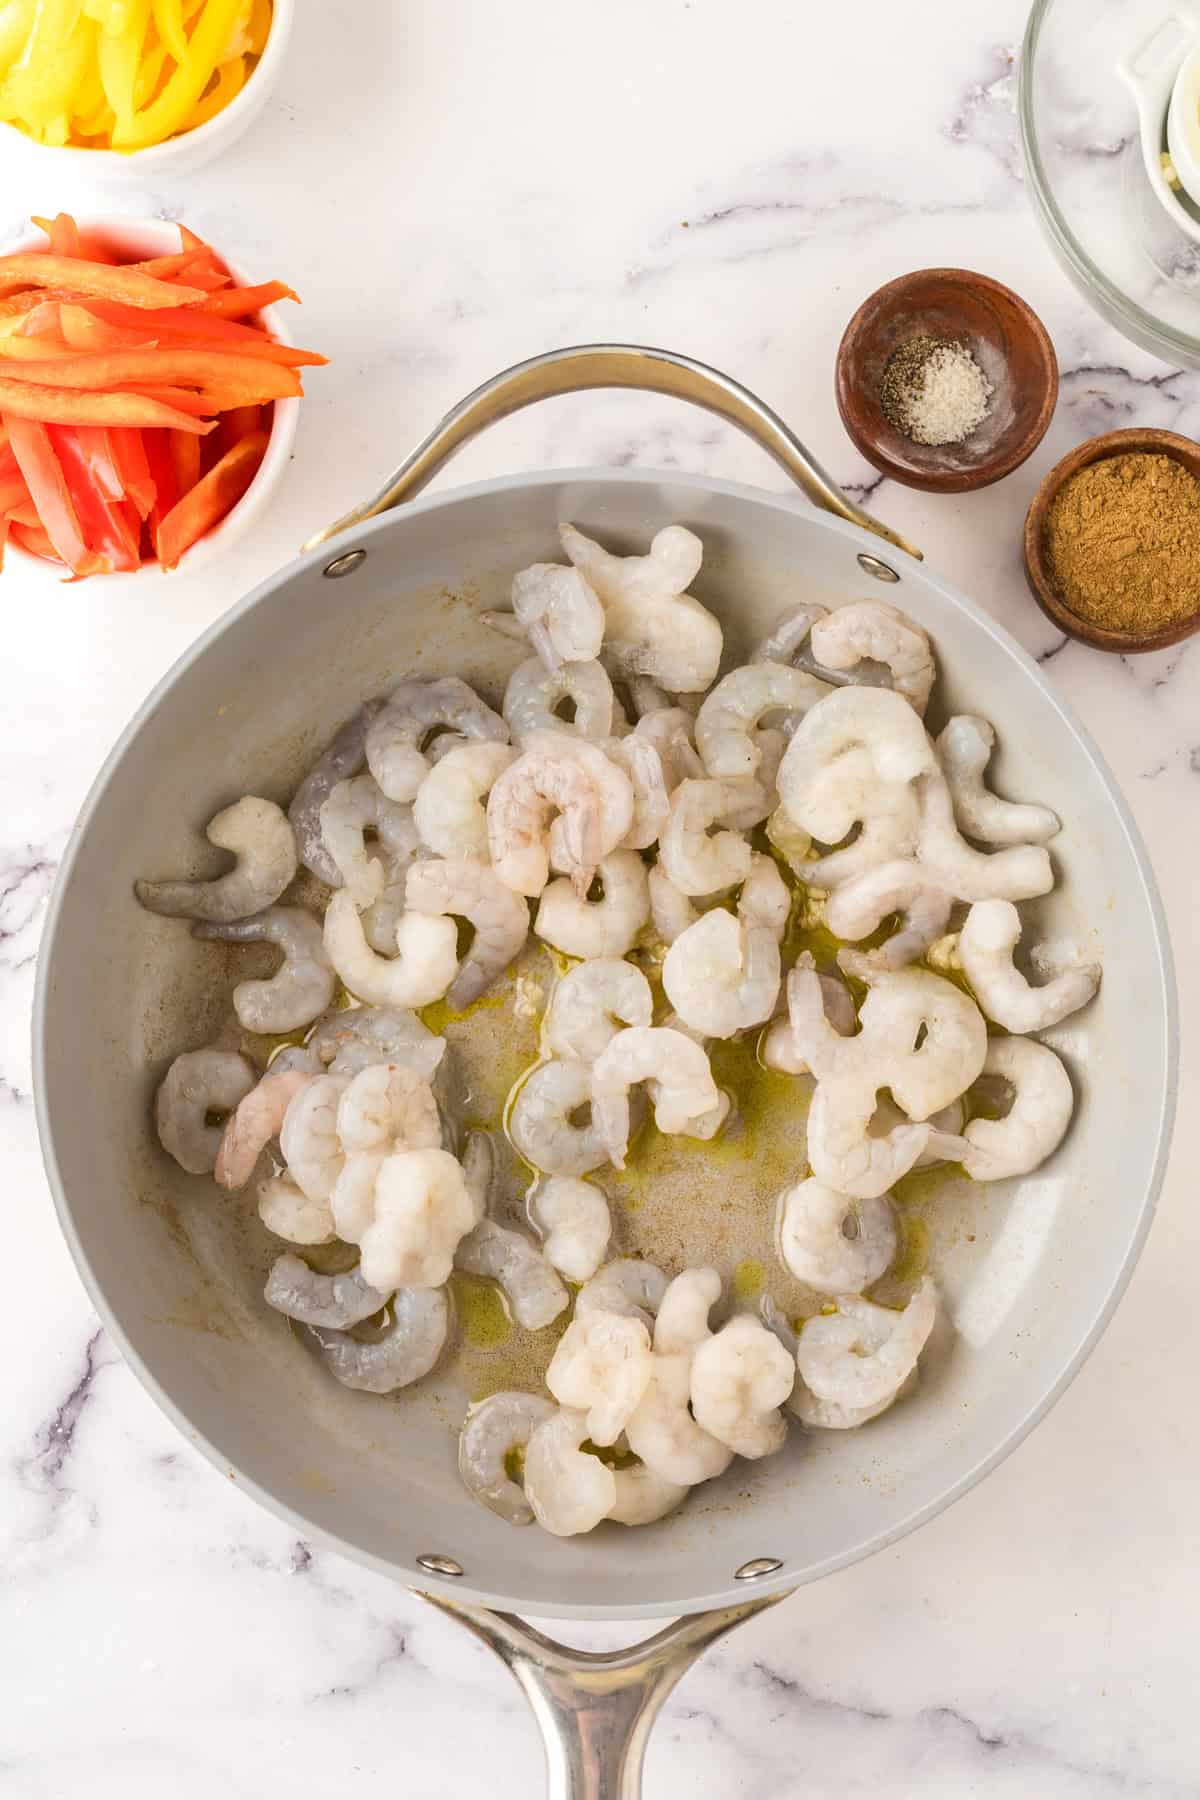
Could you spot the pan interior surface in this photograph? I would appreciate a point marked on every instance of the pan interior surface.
(1028, 1269)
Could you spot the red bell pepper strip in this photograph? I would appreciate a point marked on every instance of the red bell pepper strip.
(129, 455)
(185, 455)
(25, 513)
(17, 349)
(34, 451)
(233, 379)
(211, 498)
(62, 232)
(236, 302)
(105, 525)
(83, 330)
(13, 492)
(95, 444)
(35, 540)
(33, 269)
(70, 406)
(161, 466)
(202, 330)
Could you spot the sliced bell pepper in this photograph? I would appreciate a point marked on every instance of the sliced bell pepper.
(73, 406)
(83, 330)
(62, 232)
(95, 445)
(17, 348)
(107, 529)
(191, 325)
(119, 55)
(35, 269)
(168, 22)
(24, 512)
(166, 114)
(129, 454)
(161, 466)
(236, 302)
(16, 21)
(34, 451)
(211, 498)
(185, 458)
(260, 26)
(41, 85)
(231, 78)
(35, 540)
(229, 379)
(13, 492)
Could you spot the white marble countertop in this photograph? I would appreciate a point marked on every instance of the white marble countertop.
(452, 188)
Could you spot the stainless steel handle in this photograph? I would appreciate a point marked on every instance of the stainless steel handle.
(583, 366)
(596, 1711)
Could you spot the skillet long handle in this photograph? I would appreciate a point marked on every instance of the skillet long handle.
(584, 366)
(596, 1711)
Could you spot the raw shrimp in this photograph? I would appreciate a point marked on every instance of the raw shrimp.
(493, 1432)
(386, 1105)
(414, 709)
(602, 1367)
(541, 1122)
(676, 1072)
(1043, 1102)
(421, 1212)
(591, 1003)
(408, 1349)
(449, 811)
(308, 1136)
(985, 948)
(335, 1302)
(828, 1415)
(568, 1490)
(845, 748)
(670, 910)
(643, 766)
(789, 634)
(643, 1496)
(300, 988)
(672, 731)
(781, 1048)
(740, 1378)
(353, 808)
(859, 906)
(607, 927)
(815, 1245)
(726, 734)
(651, 625)
(574, 1219)
(871, 630)
(681, 1323)
(964, 749)
(352, 1201)
(458, 888)
(764, 902)
(721, 976)
(426, 963)
(560, 612)
(861, 1355)
(791, 840)
(342, 758)
(253, 1123)
(381, 920)
(841, 1150)
(695, 862)
(353, 1039)
(535, 693)
(664, 1433)
(289, 1213)
(1020, 872)
(529, 1284)
(197, 1083)
(930, 1035)
(628, 1285)
(259, 836)
(889, 815)
(545, 779)
(614, 791)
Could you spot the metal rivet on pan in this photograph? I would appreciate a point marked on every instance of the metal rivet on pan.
(757, 1567)
(443, 1565)
(354, 559)
(874, 565)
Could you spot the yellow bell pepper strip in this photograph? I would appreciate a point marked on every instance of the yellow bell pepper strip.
(16, 22)
(119, 55)
(41, 85)
(231, 78)
(41, 270)
(48, 490)
(168, 22)
(207, 503)
(168, 113)
(260, 26)
(228, 379)
(152, 71)
(75, 406)
(111, 15)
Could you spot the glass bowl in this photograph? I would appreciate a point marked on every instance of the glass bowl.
(1087, 168)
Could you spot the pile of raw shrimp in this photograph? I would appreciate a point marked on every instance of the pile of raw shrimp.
(605, 834)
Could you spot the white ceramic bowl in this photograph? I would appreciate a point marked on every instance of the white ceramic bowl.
(22, 155)
(1183, 125)
(159, 237)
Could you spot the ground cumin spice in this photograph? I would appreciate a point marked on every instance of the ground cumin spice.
(1123, 542)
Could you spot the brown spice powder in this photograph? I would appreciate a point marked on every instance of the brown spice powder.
(1123, 542)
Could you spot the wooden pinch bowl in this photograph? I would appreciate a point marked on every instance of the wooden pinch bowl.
(1008, 341)
(1037, 564)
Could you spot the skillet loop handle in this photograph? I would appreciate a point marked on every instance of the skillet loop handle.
(596, 1711)
(585, 366)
